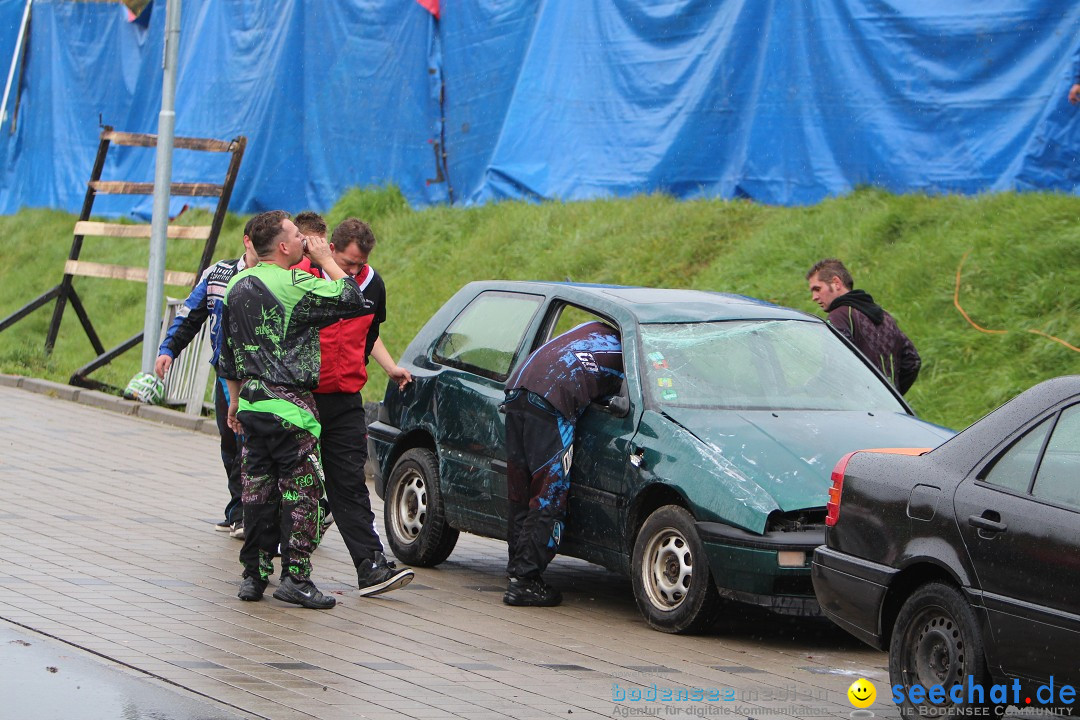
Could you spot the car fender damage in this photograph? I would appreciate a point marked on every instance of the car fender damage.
(732, 496)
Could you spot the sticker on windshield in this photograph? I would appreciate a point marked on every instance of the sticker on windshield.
(669, 395)
(664, 382)
(657, 359)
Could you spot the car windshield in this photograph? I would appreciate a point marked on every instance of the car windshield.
(759, 364)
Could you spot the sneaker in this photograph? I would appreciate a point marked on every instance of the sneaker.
(237, 531)
(251, 588)
(381, 575)
(303, 593)
(327, 521)
(531, 592)
(223, 526)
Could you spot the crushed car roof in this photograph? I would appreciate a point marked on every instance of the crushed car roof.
(660, 305)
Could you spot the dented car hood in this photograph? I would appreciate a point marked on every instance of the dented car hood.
(766, 460)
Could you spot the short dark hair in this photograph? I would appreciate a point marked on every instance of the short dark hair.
(353, 230)
(264, 228)
(310, 223)
(247, 227)
(830, 268)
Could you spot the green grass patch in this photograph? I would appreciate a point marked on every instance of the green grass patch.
(1021, 251)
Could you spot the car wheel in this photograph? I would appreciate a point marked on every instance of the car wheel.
(413, 511)
(670, 573)
(936, 641)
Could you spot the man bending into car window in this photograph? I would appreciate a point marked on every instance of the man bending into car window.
(544, 400)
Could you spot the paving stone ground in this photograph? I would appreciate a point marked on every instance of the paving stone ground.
(107, 544)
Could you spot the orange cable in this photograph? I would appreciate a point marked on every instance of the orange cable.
(956, 301)
(1055, 339)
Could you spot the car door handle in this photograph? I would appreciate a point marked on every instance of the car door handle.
(987, 522)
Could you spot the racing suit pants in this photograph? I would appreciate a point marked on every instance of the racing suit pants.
(280, 460)
(539, 450)
(230, 453)
(344, 454)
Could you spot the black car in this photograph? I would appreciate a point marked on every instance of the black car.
(964, 561)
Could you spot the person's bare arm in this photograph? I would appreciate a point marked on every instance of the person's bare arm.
(382, 356)
(234, 406)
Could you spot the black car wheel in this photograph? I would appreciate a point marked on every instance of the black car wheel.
(413, 512)
(936, 641)
(670, 573)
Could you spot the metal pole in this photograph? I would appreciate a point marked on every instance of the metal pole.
(15, 59)
(159, 223)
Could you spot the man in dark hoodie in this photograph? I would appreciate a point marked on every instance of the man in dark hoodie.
(862, 321)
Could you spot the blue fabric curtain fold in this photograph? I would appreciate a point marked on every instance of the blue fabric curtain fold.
(778, 101)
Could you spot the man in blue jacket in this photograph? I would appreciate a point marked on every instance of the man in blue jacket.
(544, 400)
(204, 303)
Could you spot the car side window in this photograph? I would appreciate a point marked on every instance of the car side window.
(1013, 469)
(1058, 479)
(570, 316)
(566, 318)
(484, 338)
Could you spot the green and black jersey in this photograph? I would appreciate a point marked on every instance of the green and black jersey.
(271, 321)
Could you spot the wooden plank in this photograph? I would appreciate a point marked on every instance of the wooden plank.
(118, 187)
(120, 272)
(100, 229)
(184, 143)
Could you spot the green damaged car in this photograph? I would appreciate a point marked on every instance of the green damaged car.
(706, 478)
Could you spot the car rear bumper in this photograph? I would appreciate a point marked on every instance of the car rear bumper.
(747, 567)
(851, 592)
(380, 438)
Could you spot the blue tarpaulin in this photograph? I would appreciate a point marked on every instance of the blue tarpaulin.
(779, 101)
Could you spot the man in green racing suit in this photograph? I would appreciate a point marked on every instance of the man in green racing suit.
(270, 359)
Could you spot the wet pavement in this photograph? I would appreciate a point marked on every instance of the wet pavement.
(107, 545)
(45, 678)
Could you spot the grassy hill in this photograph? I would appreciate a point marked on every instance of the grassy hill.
(1019, 275)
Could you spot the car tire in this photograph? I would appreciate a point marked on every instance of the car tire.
(670, 574)
(413, 515)
(936, 640)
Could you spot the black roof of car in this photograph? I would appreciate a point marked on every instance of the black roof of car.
(982, 436)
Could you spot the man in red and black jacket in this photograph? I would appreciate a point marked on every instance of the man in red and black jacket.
(346, 347)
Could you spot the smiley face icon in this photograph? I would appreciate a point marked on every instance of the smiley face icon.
(862, 693)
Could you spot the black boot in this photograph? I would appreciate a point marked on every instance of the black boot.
(251, 588)
(303, 593)
(531, 592)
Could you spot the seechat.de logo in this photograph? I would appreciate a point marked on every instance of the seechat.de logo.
(975, 695)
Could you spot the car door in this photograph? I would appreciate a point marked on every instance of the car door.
(600, 481)
(476, 353)
(1019, 516)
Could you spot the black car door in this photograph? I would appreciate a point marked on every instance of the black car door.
(1019, 516)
